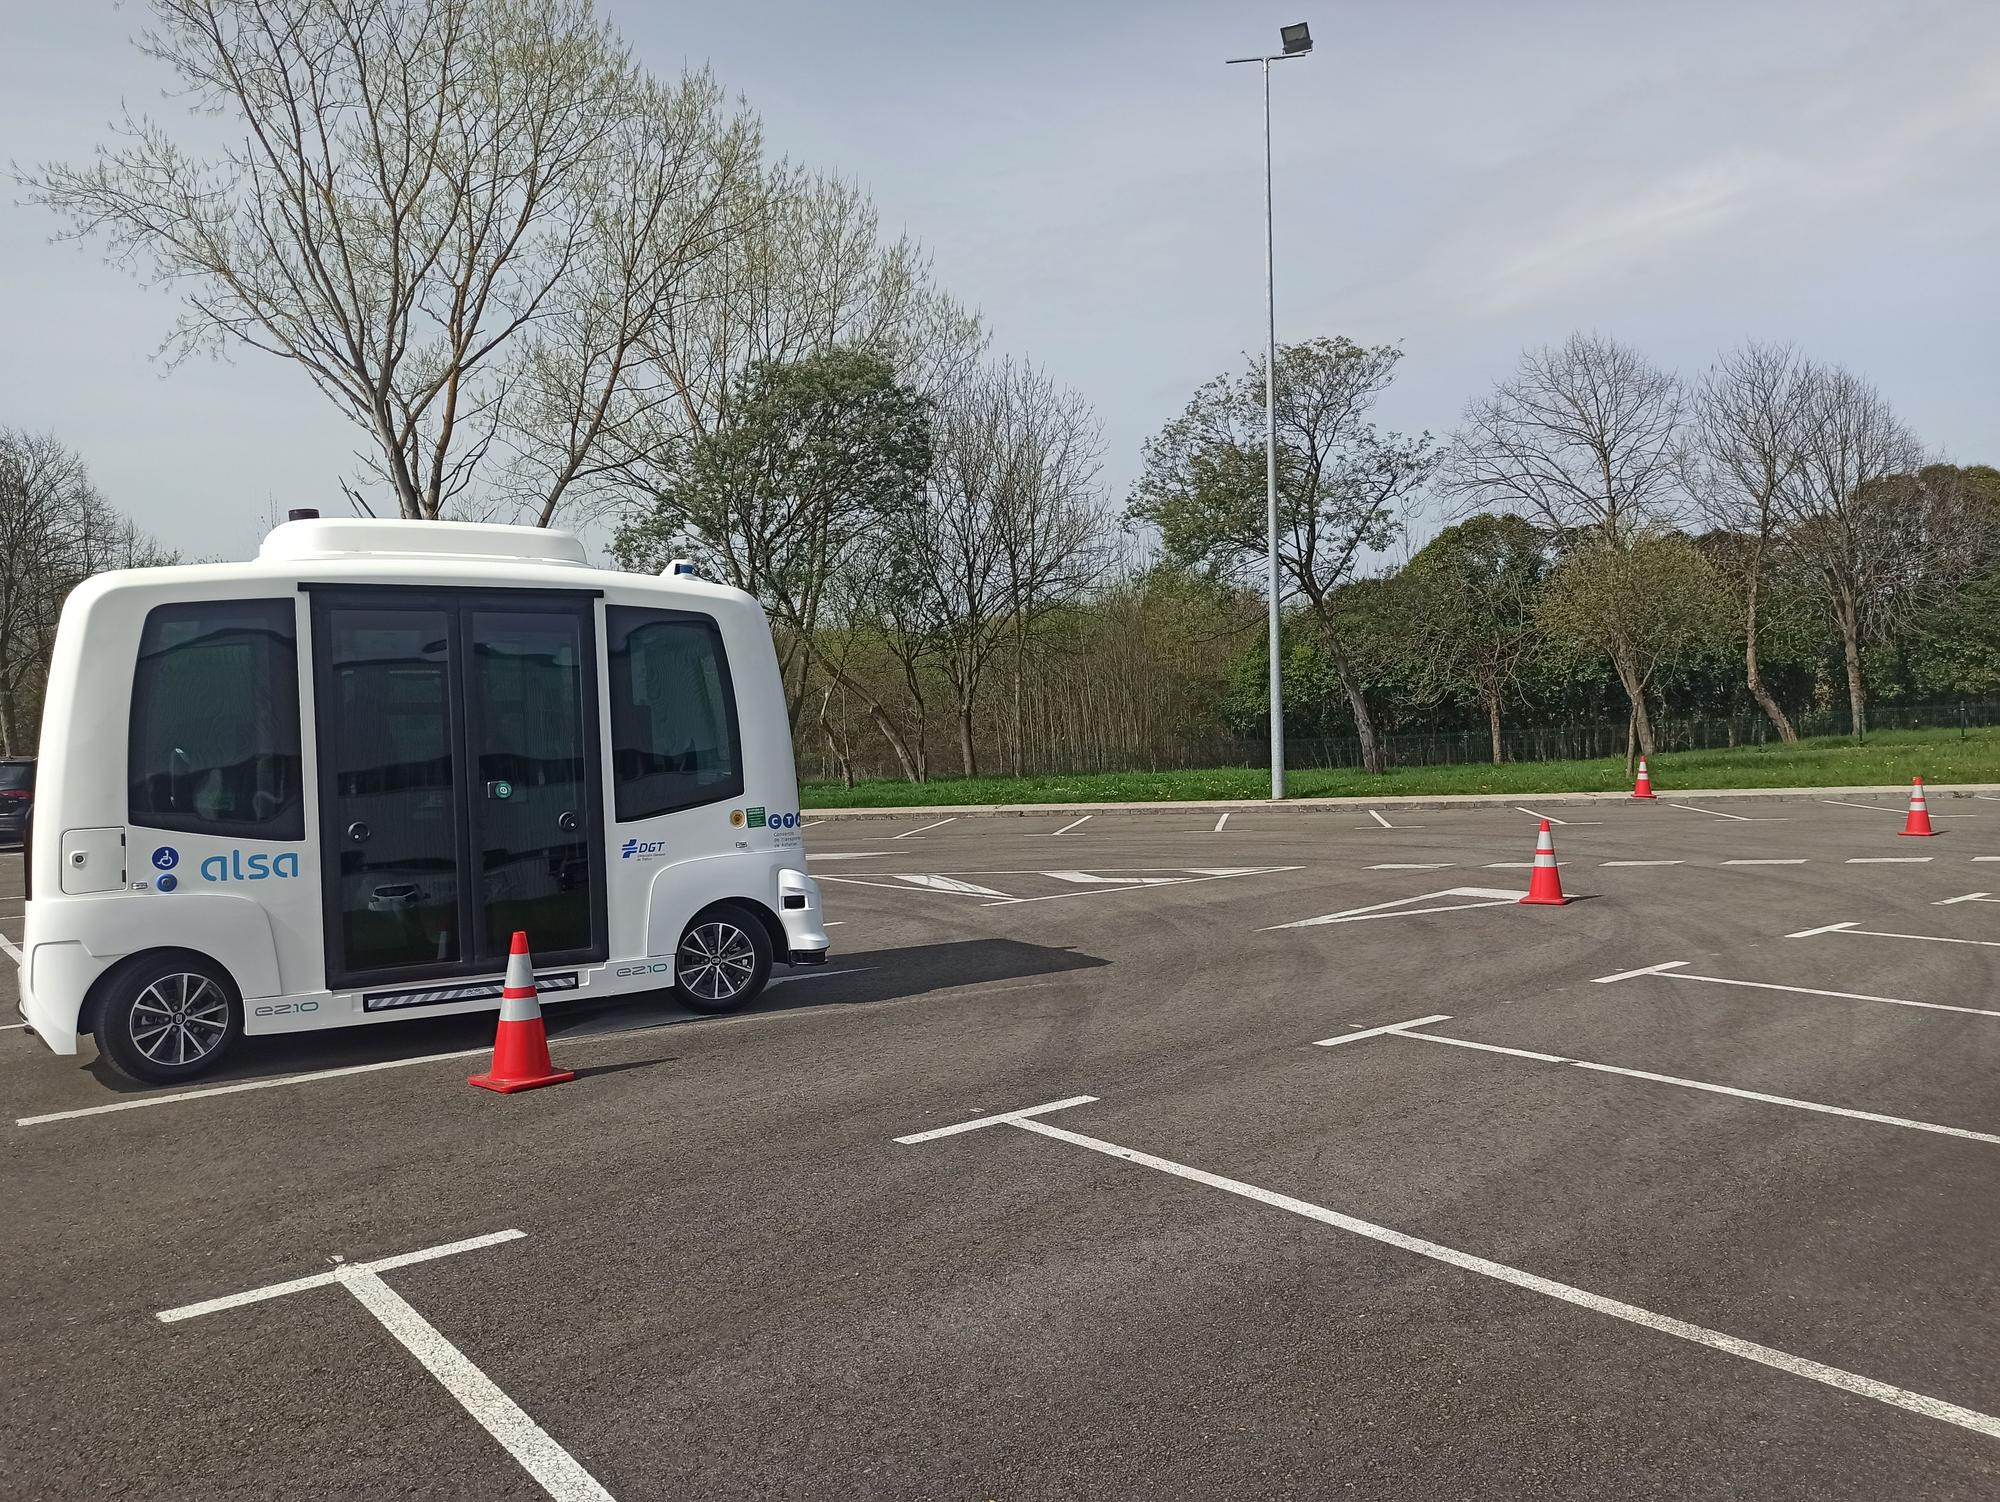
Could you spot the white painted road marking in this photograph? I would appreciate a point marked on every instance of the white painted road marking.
(1876, 933)
(1552, 818)
(844, 855)
(1220, 822)
(1605, 980)
(1410, 866)
(1641, 863)
(1873, 808)
(908, 833)
(8, 945)
(1789, 862)
(1510, 866)
(553, 1468)
(1191, 881)
(1400, 907)
(1380, 820)
(1887, 860)
(1376, 1032)
(946, 884)
(1715, 813)
(1703, 1085)
(1797, 1366)
(1968, 897)
(1675, 967)
(1065, 829)
(1986, 858)
(1003, 1117)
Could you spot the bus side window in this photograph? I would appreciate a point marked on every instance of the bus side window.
(674, 740)
(215, 721)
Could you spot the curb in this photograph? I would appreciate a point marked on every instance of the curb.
(1897, 791)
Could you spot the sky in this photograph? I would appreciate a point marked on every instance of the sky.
(1462, 178)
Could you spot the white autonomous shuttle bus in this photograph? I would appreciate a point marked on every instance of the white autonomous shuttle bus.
(325, 787)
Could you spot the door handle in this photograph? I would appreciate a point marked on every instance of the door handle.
(566, 822)
(359, 832)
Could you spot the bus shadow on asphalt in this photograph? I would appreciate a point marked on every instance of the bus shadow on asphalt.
(855, 979)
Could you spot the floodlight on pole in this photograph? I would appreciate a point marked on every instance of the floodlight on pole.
(1297, 42)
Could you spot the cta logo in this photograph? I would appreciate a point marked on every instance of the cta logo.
(641, 849)
(236, 866)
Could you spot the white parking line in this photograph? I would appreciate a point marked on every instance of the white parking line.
(9, 945)
(1797, 1366)
(1671, 970)
(1380, 820)
(1642, 863)
(1552, 818)
(1410, 866)
(553, 1468)
(1876, 933)
(1703, 1085)
(1887, 860)
(1220, 822)
(1714, 813)
(1873, 808)
(985, 1121)
(1968, 897)
(1376, 1032)
(946, 884)
(1051, 834)
(908, 833)
(1400, 907)
(1192, 881)
(1794, 861)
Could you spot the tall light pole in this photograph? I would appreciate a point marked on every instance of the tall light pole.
(1297, 42)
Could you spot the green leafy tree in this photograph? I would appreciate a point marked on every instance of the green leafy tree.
(821, 459)
(1654, 602)
(1343, 486)
(1476, 586)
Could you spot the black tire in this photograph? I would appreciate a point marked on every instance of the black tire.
(168, 1017)
(722, 960)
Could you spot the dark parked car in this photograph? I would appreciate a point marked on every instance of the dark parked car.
(17, 796)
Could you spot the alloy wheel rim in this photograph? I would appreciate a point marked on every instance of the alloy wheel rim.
(717, 961)
(179, 1019)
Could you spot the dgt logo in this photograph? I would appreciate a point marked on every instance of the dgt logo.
(641, 849)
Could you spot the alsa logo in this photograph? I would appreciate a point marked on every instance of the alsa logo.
(236, 866)
(641, 848)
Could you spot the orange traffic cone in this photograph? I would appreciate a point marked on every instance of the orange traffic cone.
(1919, 821)
(1545, 885)
(1643, 786)
(521, 1047)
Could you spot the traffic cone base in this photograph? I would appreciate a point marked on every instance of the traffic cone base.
(1545, 888)
(521, 1045)
(1919, 820)
(1643, 786)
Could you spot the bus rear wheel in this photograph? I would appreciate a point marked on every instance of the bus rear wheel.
(723, 959)
(167, 1017)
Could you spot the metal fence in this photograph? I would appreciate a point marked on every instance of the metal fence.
(1576, 742)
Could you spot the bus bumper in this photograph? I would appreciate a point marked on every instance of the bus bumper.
(48, 971)
(799, 911)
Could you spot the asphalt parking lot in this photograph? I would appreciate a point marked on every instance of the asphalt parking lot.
(1685, 1189)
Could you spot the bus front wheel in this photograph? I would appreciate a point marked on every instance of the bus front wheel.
(723, 960)
(167, 1017)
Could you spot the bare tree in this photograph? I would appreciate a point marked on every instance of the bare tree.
(56, 530)
(1583, 441)
(1753, 413)
(1857, 514)
(1053, 527)
(453, 215)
